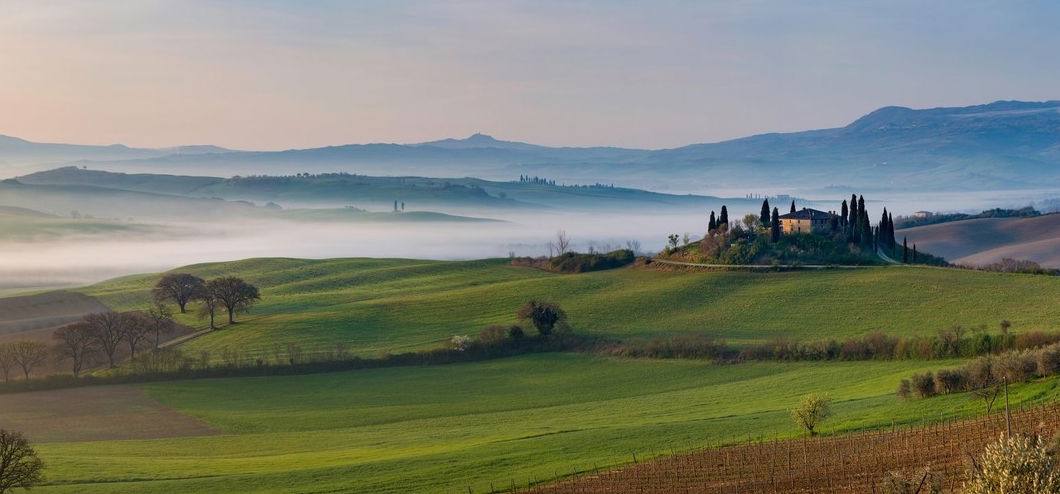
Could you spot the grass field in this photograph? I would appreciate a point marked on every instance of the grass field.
(439, 429)
(379, 305)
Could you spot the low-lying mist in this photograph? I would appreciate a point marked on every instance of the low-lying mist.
(80, 260)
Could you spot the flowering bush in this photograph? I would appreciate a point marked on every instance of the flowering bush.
(1014, 465)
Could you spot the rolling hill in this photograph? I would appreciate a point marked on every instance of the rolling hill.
(986, 240)
(334, 189)
(1001, 145)
(393, 305)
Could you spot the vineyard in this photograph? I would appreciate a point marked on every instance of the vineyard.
(847, 464)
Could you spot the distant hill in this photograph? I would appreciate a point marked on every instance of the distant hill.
(336, 190)
(1001, 145)
(986, 240)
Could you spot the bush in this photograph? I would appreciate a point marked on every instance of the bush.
(1048, 360)
(905, 389)
(1015, 366)
(950, 381)
(923, 385)
(493, 335)
(573, 262)
(1014, 465)
(460, 343)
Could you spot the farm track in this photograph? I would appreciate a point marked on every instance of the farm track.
(849, 464)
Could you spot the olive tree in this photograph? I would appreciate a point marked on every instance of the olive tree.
(20, 467)
(812, 410)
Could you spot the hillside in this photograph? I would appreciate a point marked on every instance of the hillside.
(1001, 145)
(334, 189)
(379, 305)
(987, 240)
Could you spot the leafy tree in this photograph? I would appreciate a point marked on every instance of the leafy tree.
(28, 354)
(180, 288)
(765, 216)
(813, 409)
(543, 315)
(20, 467)
(77, 343)
(234, 294)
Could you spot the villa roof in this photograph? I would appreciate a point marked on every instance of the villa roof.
(807, 214)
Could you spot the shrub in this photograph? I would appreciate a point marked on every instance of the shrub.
(1014, 465)
(1015, 366)
(460, 343)
(572, 262)
(516, 333)
(493, 335)
(923, 385)
(1048, 360)
(905, 389)
(950, 381)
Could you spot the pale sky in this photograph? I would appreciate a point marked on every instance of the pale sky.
(270, 74)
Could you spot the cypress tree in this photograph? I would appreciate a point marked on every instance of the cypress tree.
(775, 226)
(905, 250)
(890, 234)
(765, 213)
(792, 206)
(723, 218)
(914, 253)
(713, 225)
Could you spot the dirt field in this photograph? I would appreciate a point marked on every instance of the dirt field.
(94, 413)
(45, 310)
(986, 240)
(852, 464)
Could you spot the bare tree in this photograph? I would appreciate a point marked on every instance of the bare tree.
(28, 354)
(208, 309)
(180, 288)
(234, 294)
(20, 467)
(76, 343)
(6, 363)
(108, 329)
(562, 243)
(633, 245)
(135, 331)
(160, 321)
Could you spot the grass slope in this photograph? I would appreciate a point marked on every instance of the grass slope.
(438, 429)
(986, 240)
(396, 304)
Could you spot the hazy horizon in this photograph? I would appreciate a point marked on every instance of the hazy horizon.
(278, 75)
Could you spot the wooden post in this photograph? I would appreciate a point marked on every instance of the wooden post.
(1008, 414)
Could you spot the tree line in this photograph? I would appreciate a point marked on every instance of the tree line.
(103, 337)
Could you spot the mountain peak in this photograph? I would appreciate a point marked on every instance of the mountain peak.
(479, 137)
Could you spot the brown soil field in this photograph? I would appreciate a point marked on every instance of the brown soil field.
(45, 310)
(94, 413)
(850, 464)
(986, 240)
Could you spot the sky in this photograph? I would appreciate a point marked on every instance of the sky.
(269, 74)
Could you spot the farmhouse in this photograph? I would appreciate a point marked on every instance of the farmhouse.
(806, 221)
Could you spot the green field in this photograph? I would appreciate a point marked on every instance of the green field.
(439, 429)
(394, 305)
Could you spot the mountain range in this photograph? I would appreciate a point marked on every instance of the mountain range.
(1001, 145)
